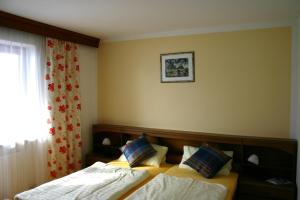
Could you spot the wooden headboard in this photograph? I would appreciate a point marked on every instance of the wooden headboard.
(277, 156)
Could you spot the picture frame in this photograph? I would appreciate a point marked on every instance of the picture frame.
(177, 67)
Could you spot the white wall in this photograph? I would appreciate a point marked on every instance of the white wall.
(295, 104)
(88, 58)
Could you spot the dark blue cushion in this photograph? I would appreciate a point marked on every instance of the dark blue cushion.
(207, 161)
(138, 150)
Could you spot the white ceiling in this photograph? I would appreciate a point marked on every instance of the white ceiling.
(121, 19)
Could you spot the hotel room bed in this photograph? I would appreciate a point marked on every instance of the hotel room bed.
(87, 186)
(115, 180)
(241, 147)
(229, 182)
(121, 180)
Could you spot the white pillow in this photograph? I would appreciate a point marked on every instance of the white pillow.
(155, 160)
(188, 151)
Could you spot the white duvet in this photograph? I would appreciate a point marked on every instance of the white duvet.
(99, 181)
(165, 187)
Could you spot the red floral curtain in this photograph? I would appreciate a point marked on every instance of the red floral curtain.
(64, 149)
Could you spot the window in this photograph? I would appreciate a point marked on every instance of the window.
(22, 113)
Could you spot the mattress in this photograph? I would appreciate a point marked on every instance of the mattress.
(230, 181)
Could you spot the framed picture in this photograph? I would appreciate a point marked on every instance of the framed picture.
(177, 67)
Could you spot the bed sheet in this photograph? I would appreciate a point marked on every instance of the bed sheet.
(99, 181)
(166, 187)
(152, 171)
(230, 181)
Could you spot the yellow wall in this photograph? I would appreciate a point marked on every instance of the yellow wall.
(242, 83)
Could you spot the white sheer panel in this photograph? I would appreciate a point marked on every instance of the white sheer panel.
(23, 132)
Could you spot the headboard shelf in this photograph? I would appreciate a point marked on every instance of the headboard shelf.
(288, 145)
(277, 156)
(284, 150)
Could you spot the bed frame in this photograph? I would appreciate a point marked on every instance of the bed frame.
(277, 156)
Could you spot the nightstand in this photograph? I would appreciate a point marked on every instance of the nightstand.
(105, 152)
(273, 163)
(94, 157)
(259, 189)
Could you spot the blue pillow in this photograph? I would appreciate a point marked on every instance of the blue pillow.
(207, 161)
(138, 150)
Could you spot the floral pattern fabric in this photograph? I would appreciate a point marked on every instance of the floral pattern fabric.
(62, 77)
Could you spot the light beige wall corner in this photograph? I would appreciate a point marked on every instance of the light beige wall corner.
(295, 123)
(88, 58)
(242, 83)
(297, 82)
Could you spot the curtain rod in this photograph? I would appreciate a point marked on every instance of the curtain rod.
(31, 26)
